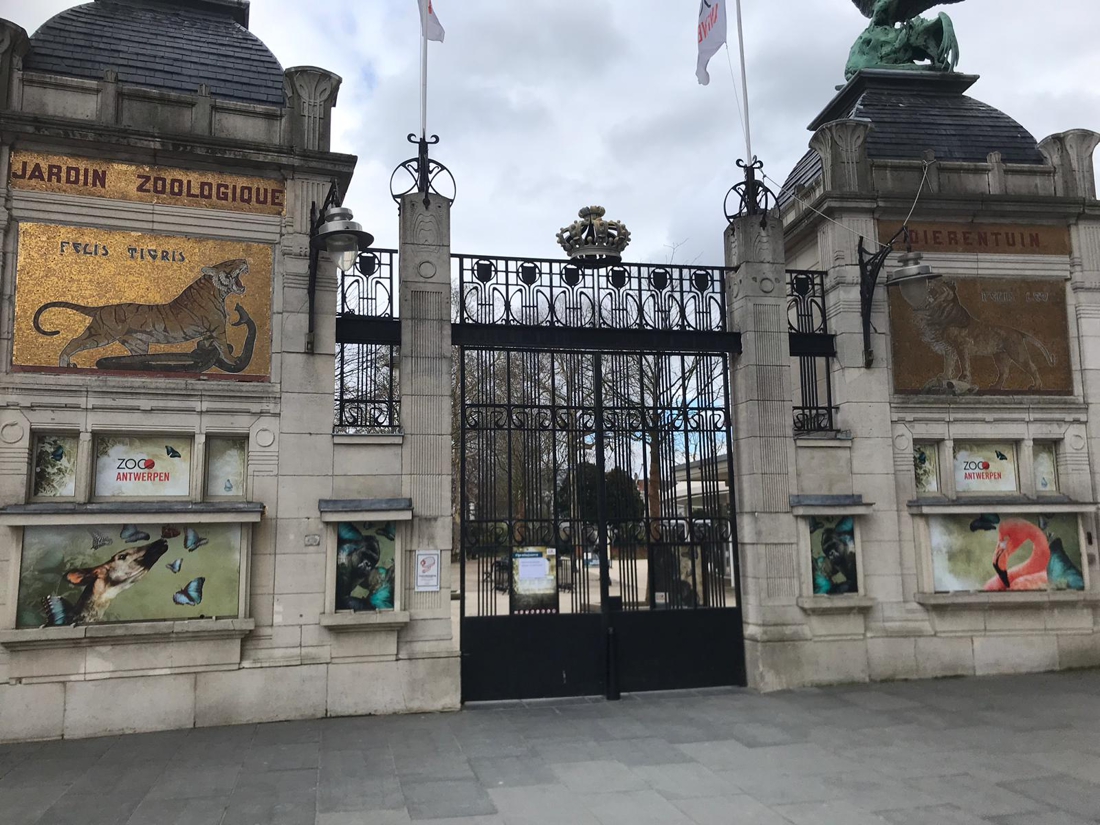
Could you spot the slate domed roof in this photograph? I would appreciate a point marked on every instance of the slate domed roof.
(161, 44)
(914, 112)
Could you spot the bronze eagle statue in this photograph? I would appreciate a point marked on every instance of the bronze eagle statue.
(899, 38)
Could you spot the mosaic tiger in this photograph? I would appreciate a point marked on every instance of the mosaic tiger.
(197, 313)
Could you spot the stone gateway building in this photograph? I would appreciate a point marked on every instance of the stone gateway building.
(238, 444)
(172, 487)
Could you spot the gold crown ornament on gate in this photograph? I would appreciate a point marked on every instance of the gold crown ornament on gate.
(594, 238)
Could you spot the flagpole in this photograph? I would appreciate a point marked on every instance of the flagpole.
(744, 84)
(423, 82)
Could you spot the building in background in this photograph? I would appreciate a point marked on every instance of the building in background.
(183, 540)
(943, 475)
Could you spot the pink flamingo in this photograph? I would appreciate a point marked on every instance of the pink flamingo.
(1032, 574)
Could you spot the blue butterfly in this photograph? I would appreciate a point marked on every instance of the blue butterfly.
(987, 522)
(387, 530)
(191, 595)
(1001, 456)
(58, 611)
(172, 452)
(228, 486)
(131, 535)
(193, 541)
(175, 566)
(58, 453)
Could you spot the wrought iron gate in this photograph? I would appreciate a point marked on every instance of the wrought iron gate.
(596, 474)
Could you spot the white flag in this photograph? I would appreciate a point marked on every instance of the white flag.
(429, 23)
(712, 34)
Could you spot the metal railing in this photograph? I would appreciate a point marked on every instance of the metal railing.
(368, 393)
(813, 347)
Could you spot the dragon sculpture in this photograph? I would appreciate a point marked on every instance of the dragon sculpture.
(899, 37)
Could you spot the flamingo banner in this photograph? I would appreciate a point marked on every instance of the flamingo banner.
(996, 552)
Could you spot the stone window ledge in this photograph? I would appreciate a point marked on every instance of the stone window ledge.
(366, 509)
(1013, 504)
(45, 638)
(49, 514)
(835, 604)
(825, 505)
(368, 438)
(365, 622)
(1006, 601)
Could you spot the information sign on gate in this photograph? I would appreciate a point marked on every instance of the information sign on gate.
(535, 580)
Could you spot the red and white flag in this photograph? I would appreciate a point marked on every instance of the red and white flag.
(712, 34)
(429, 23)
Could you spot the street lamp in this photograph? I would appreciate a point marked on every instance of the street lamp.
(332, 229)
(912, 278)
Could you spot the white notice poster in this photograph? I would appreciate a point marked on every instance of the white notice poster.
(427, 571)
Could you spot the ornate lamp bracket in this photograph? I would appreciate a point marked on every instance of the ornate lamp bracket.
(870, 268)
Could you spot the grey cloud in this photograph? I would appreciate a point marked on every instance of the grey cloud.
(548, 105)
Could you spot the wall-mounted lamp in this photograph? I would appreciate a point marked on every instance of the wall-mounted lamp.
(332, 229)
(911, 278)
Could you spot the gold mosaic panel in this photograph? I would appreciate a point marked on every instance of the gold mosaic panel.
(981, 336)
(97, 300)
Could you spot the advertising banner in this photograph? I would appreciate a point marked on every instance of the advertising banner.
(365, 558)
(985, 467)
(128, 573)
(143, 467)
(833, 555)
(95, 300)
(997, 552)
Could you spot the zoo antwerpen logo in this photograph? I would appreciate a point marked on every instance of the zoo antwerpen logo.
(139, 470)
(980, 470)
(61, 174)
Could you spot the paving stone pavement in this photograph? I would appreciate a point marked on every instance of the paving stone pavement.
(1008, 750)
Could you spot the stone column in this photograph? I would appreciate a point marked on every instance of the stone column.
(1070, 153)
(311, 96)
(426, 385)
(13, 45)
(762, 410)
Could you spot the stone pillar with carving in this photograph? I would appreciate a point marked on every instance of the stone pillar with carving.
(426, 385)
(1071, 155)
(762, 409)
(311, 96)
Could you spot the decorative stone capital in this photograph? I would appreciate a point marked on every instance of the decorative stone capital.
(1070, 153)
(842, 145)
(13, 45)
(311, 96)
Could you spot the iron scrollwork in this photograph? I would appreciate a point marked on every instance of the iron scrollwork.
(422, 174)
(806, 317)
(536, 292)
(751, 196)
(368, 397)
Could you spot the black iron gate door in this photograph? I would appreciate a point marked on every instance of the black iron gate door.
(597, 528)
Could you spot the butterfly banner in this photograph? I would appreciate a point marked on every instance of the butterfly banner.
(96, 574)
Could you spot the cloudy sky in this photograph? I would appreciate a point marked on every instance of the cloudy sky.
(545, 106)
